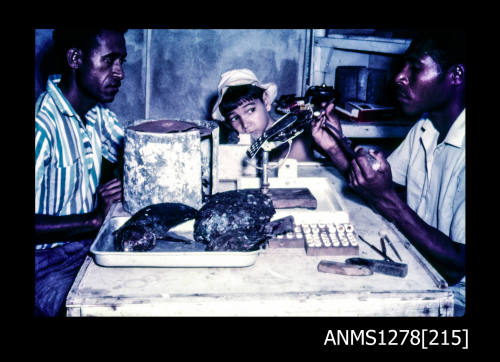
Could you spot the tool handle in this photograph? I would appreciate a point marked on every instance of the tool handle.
(381, 266)
(384, 250)
(383, 235)
(327, 266)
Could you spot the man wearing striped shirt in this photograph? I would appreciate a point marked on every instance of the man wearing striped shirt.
(74, 133)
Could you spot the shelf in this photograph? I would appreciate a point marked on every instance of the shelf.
(336, 50)
(379, 129)
(364, 43)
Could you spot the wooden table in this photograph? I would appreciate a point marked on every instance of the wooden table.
(282, 282)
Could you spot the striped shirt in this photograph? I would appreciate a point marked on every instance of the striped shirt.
(68, 154)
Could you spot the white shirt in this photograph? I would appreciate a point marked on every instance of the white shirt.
(434, 175)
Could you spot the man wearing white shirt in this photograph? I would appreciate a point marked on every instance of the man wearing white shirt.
(430, 162)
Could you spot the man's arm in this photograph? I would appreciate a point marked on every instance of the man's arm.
(446, 255)
(400, 191)
(50, 228)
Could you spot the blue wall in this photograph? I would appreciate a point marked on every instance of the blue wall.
(173, 73)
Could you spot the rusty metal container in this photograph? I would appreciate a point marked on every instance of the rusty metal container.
(169, 161)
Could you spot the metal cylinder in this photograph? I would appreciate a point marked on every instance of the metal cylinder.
(163, 166)
(264, 187)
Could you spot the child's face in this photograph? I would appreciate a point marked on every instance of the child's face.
(250, 117)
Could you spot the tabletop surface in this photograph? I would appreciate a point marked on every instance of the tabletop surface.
(285, 275)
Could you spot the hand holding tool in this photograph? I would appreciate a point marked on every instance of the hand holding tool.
(343, 142)
(345, 145)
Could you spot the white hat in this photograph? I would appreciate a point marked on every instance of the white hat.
(240, 77)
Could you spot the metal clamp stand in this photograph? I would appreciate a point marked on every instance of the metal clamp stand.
(264, 187)
(284, 197)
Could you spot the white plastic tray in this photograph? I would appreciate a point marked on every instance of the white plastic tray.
(330, 208)
(165, 253)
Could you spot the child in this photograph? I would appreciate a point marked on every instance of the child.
(244, 103)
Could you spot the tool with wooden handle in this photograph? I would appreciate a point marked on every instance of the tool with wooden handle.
(327, 266)
(381, 266)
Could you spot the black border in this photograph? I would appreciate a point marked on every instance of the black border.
(216, 336)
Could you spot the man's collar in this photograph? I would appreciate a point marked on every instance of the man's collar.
(456, 133)
(60, 100)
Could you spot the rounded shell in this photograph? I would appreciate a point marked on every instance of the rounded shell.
(241, 210)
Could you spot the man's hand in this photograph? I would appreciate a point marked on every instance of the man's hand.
(50, 228)
(108, 194)
(370, 183)
(377, 187)
(320, 135)
(326, 141)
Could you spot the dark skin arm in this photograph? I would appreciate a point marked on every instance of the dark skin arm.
(328, 144)
(49, 228)
(446, 255)
(378, 189)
